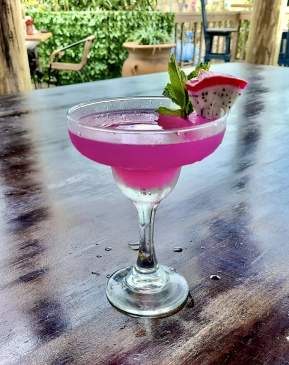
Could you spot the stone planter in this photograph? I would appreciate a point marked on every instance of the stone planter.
(146, 59)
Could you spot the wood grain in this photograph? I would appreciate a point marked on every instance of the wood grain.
(229, 213)
(14, 69)
(265, 32)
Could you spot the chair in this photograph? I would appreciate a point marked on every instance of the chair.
(55, 66)
(284, 50)
(33, 61)
(210, 33)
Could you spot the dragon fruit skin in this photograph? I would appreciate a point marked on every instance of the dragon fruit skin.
(175, 122)
(212, 94)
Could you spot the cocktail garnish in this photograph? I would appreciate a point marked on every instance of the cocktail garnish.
(176, 88)
(207, 93)
(212, 94)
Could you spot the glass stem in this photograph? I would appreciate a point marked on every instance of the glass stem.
(146, 261)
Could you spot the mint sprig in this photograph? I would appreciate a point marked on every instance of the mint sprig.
(176, 88)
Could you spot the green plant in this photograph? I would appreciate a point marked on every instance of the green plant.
(111, 29)
(127, 4)
(69, 5)
(150, 35)
(176, 88)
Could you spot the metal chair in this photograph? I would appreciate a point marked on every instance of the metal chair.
(55, 66)
(284, 50)
(210, 33)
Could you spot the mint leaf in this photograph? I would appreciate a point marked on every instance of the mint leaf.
(166, 111)
(176, 88)
(177, 81)
(170, 93)
(189, 108)
(200, 67)
(183, 76)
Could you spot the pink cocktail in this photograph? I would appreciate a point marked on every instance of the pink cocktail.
(146, 160)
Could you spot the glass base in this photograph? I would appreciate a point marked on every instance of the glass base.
(147, 294)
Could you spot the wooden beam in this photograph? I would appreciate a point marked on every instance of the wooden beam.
(14, 69)
(265, 31)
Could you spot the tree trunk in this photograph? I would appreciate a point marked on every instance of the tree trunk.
(14, 69)
(266, 31)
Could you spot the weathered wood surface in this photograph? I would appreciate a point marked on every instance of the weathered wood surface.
(14, 69)
(265, 31)
(58, 212)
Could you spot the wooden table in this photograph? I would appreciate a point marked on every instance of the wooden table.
(229, 213)
(38, 37)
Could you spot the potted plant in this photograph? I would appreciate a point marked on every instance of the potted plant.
(29, 26)
(148, 52)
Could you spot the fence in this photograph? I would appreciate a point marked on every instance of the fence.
(194, 47)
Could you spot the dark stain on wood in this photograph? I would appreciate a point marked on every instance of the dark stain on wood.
(49, 319)
(31, 276)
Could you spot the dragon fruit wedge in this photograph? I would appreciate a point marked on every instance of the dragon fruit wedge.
(212, 93)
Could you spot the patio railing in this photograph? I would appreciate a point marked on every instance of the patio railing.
(192, 22)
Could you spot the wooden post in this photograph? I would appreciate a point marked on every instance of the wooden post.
(236, 43)
(265, 31)
(14, 69)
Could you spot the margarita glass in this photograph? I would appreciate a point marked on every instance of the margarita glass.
(146, 161)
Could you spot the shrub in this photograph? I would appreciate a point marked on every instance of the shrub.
(111, 28)
(68, 5)
(150, 35)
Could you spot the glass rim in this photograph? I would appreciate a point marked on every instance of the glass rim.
(127, 131)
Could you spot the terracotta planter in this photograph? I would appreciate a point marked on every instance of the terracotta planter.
(29, 29)
(146, 59)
